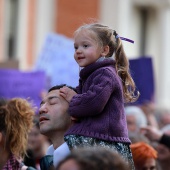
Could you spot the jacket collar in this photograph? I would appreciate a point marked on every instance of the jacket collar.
(86, 71)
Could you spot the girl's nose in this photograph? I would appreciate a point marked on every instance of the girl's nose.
(78, 50)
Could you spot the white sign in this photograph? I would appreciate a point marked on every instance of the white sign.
(57, 60)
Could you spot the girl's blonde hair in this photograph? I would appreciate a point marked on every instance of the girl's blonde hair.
(16, 120)
(105, 36)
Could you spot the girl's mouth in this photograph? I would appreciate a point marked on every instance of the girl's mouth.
(80, 58)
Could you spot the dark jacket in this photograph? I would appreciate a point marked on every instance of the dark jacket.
(46, 162)
(165, 140)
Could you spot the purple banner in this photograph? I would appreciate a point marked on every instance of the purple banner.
(143, 74)
(28, 85)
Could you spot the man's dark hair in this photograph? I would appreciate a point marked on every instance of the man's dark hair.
(57, 87)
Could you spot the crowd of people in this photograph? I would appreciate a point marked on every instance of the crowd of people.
(87, 127)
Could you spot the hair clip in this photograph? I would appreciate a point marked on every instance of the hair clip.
(117, 36)
(122, 38)
(126, 39)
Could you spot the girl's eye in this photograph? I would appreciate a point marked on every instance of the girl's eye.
(75, 47)
(85, 46)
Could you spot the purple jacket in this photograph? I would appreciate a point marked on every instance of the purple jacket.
(99, 104)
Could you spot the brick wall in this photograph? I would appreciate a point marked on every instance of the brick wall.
(73, 13)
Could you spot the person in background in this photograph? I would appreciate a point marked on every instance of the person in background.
(104, 85)
(163, 117)
(138, 137)
(144, 156)
(164, 150)
(149, 109)
(96, 158)
(160, 140)
(37, 145)
(156, 135)
(16, 116)
(135, 118)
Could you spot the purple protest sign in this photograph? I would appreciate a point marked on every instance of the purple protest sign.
(143, 74)
(28, 85)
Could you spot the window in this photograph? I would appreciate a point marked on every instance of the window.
(12, 13)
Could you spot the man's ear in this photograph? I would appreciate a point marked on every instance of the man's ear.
(105, 51)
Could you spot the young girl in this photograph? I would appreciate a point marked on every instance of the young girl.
(104, 85)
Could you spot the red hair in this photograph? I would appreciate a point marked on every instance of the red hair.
(141, 152)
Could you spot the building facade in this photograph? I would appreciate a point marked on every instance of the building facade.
(24, 25)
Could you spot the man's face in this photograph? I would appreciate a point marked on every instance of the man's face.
(53, 114)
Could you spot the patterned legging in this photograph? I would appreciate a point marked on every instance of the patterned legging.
(76, 141)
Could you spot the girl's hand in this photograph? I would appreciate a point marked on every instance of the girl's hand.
(67, 93)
